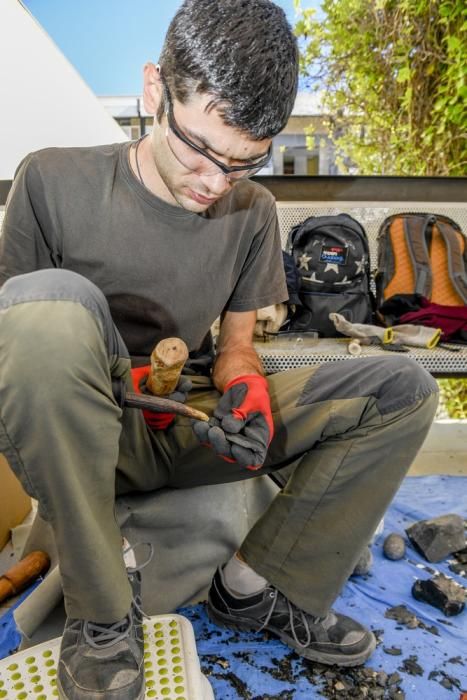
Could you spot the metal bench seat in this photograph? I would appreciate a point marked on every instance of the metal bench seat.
(279, 355)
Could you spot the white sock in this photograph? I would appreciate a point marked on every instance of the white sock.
(240, 578)
(128, 556)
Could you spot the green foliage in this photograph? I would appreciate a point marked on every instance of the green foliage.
(453, 397)
(393, 74)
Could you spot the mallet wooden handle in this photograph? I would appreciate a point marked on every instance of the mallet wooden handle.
(167, 360)
(23, 573)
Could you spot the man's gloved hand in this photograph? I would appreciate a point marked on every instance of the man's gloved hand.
(158, 421)
(242, 427)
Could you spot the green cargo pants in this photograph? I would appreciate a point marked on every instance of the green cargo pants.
(345, 435)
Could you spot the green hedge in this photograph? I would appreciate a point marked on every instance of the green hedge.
(453, 397)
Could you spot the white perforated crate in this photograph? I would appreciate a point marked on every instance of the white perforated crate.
(171, 664)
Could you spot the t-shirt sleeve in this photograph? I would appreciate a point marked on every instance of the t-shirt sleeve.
(23, 244)
(262, 279)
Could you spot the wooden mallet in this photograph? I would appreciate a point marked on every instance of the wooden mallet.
(167, 361)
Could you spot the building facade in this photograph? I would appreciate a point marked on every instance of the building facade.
(291, 155)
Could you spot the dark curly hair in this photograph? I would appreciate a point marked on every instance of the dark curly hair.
(241, 52)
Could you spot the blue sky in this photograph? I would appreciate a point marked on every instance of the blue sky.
(108, 41)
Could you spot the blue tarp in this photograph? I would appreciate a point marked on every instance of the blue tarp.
(243, 665)
(9, 635)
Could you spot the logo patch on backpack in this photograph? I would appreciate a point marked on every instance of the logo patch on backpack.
(334, 254)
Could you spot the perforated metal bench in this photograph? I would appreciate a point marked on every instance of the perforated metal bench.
(370, 201)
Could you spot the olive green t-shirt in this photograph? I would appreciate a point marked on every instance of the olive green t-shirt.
(165, 271)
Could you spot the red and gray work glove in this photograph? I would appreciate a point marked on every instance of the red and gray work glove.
(158, 421)
(242, 427)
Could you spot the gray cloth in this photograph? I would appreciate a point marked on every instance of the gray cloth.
(83, 209)
(193, 531)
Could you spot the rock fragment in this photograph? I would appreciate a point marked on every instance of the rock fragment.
(394, 546)
(411, 666)
(364, 564)
(441, 592)
(400, 614)
(435, 539)
(393, 651)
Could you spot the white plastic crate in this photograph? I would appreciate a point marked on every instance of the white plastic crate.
(171, 664)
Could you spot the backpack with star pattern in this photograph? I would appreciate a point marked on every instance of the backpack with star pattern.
(332, 257)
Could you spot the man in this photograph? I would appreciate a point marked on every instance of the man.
(107, 250)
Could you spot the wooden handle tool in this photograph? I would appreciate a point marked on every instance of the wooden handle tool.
(167, 360)
(23, 573)
(163, 405)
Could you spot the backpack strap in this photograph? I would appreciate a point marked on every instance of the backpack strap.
(456, 266)
(415, 230)
(291, 237)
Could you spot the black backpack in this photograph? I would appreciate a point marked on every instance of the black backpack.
(332, 257)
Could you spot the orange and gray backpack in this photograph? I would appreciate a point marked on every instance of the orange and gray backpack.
(422, 254)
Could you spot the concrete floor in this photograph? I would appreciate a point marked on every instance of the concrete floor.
(444, 450)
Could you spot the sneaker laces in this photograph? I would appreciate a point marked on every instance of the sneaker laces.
(103, 635)
(293, 610)
(137, 601)
(132, 548)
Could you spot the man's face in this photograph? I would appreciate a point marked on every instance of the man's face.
(191, 180)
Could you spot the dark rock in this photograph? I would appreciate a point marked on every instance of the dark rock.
(237, 684)
(461, 556)
(411, 666)
(435, 539)
(402, 615)
(458, 568)
(379, 634)
(445, 622)
(393, 651)
(456, 660)
(368, 672)
(381, 678)
(394, 678)
(446, 681)
(454, 681)
(441, 592)
(394, 546)
(364, 564)
(397, 695)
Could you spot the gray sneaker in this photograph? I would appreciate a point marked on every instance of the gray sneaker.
(104, 661)
(334, 639)
(101, 661)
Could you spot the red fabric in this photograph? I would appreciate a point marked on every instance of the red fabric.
(451, 319)
(156, 421)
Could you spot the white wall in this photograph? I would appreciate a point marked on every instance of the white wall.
(43, 100)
